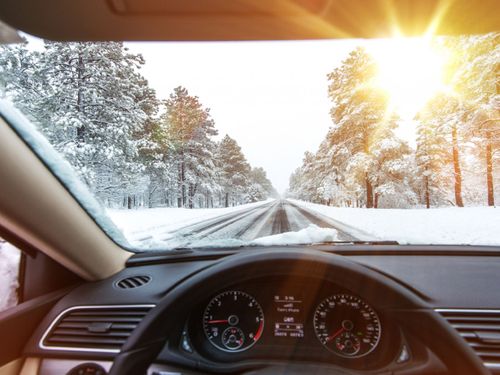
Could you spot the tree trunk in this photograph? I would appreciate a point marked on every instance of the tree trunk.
(190, 196)
(489, 170)
(456, 168)
(129, 202)
(226, 203)
(183, 185)
(375, 202)
(369, 192)
(427, 193)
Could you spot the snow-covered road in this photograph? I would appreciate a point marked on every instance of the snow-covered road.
(255, 224)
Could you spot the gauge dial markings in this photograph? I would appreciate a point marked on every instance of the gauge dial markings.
(347, 325)
(233, 321)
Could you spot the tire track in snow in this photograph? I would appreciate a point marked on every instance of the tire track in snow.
(224, 227)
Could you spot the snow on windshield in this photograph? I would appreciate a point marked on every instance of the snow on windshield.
(230, 144)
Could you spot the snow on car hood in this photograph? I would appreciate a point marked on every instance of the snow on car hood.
(311, 234)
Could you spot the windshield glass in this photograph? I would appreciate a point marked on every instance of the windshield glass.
(266, 143)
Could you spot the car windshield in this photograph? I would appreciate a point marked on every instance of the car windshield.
(268, 143)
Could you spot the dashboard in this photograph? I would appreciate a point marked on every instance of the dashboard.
(305, 318)
(236, 313)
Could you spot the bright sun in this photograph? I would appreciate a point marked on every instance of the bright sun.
(411, 71)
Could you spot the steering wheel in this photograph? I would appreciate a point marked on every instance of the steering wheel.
(412, 312)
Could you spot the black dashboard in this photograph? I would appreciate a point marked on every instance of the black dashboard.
(275, 312)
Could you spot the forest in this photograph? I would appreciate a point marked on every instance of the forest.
(454, 161)
(131, 148)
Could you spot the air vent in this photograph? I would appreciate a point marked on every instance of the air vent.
(481, 330)
(93, 328)
(133, 282)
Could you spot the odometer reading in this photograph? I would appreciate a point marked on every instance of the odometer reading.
(233, 321)
(347, 326)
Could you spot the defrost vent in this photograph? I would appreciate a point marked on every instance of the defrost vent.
(481, 329)
(93, 328)
(133, 281)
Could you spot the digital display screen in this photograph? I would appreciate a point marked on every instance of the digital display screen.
(288, 316)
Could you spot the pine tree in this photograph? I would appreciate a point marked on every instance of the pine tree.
(475, 77)
(431, 159)
(262, 188)
(360, 121)
(190, 130)
(446, 115)
(235, 172)
(89, 100)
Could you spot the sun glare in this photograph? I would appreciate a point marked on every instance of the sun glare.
(411, 71)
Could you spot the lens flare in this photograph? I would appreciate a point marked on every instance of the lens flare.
(411, 71)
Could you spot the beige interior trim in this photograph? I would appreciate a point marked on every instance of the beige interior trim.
(36, 207)
(31, 366)
(12, 368)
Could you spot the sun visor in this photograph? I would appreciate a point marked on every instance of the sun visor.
(247, 19)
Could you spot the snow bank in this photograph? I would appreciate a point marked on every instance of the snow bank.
(311, 234)
(450, 225)
(9, 269)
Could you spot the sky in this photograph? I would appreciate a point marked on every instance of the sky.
(271, 97)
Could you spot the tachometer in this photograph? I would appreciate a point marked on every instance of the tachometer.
(233, 321)
(347, 325)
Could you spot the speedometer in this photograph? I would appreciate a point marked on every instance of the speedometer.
(233, 321)
(347, 326)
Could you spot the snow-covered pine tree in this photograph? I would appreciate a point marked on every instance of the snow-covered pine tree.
(432, 158)
(446, 114)
(394, 171)
(234, 172)
(361, 122)
(262, 188)
(190, 129)
(21, 79)
(89, 100)
(475, 77)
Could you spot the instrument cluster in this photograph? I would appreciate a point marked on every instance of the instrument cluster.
(276, 317)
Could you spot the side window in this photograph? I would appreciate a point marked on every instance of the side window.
(10, 258)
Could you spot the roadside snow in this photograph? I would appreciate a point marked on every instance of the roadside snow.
(137, 225)
(450, 225)
(9, 268)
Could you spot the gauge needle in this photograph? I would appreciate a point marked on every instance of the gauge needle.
(331, 337)
(217, 321)
(259, 331)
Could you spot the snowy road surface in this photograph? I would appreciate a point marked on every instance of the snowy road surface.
(246, 226)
